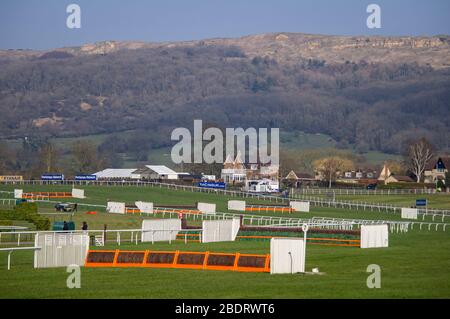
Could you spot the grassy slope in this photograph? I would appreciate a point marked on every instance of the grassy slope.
(414, 266)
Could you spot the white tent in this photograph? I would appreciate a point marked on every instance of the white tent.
(117, 173)
(163, 171)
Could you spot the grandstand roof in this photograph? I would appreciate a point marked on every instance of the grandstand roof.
(116, 173)
(161, 170)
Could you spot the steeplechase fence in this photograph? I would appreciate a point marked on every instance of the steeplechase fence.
(179, 260)
(269, 209)
(45, 195)
(323, 241)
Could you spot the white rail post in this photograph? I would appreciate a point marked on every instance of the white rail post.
(9, 259)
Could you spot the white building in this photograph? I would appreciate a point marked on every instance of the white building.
(261, 186)
(117, 174)
(235, 172)
(162, 172)
(148, 172)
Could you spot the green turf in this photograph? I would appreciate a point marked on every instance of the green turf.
(414, 266)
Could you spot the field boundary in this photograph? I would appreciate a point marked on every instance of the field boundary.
(320, 202)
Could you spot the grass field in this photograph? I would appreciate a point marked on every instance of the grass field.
(416, 265)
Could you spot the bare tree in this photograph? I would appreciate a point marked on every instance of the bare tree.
(329, 167)
(419, 153)
(86, 157)
(48, 157)
(5, 158)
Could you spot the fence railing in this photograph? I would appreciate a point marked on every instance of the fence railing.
(374, 207)
(189, 188)
(271, 198)
(359, 191)
(21, 237)
(253, 220)
(319, 202)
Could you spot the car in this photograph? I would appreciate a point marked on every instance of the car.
(372, 186)
(65, 207)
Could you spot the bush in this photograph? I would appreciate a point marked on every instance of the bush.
(6, 223)
(27, 212)
(405, 186)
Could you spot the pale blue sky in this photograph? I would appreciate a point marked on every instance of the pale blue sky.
(41, 24)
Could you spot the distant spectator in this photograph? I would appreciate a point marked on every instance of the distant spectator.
(84, 227)
(65, 226)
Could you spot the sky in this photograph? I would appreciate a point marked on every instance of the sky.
(41, 24)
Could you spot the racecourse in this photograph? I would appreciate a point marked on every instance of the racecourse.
(414, 266)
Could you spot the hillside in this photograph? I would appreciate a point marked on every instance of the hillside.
(373, 93)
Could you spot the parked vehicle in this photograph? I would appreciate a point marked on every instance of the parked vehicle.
(261, 186)
(66, 207)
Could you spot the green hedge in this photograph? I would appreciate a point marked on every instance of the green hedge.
(6, 223)
(27, 212)
(406, 186)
